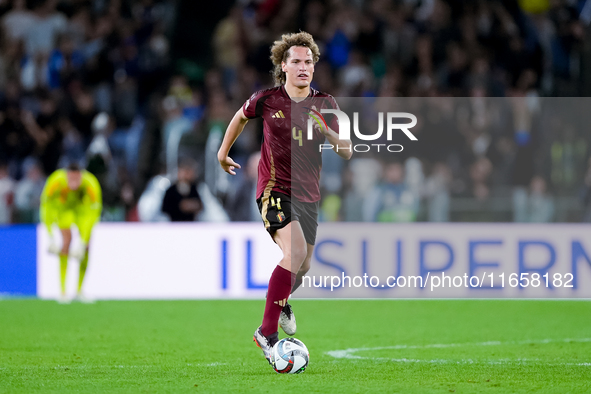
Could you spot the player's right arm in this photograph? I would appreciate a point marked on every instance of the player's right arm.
(232, 132)
(49, 201)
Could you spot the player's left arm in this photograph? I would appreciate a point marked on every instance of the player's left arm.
(51, 206)
(341, 147)
(94, 196)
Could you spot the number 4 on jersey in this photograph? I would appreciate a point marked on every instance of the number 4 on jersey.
(297, 135)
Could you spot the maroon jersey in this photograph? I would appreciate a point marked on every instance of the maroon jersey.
(290, 162)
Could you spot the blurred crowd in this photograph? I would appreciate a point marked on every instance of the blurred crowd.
(96, 82)
(76, 79)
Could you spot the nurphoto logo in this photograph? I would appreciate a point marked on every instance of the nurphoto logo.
(345, 129)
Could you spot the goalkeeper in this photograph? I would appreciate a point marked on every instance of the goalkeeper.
(71, 196)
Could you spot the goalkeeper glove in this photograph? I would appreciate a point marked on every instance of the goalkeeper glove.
(79, 251)
(54, 247)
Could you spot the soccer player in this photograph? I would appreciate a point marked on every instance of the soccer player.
(289, 170)
(71, 196)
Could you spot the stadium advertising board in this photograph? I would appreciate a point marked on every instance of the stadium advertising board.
(451, 260)
(168, 261)
(351, 260)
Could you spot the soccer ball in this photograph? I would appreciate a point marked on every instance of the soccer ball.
(290, 355)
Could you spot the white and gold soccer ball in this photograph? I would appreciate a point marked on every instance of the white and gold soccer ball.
(290, 355)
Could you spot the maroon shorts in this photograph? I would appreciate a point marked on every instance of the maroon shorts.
(280, 209)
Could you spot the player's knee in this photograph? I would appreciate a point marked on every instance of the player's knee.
(300, 255)
(305, 265)
(304, 268)
(296, 255)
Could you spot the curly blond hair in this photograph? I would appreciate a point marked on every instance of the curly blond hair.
(280, 52)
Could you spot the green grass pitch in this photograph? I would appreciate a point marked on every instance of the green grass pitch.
(405, 346)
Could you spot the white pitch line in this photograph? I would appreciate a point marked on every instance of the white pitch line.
(84, 366)
(350, 353)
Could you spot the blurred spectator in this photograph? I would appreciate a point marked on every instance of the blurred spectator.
(480, 171)
(228, 41)
(149, 206)
(330, 208)
(6, 195)
(392, 200)
(15, 143)
(11, 61)
(27, 193)
(17, 22)
(360, 180)
(437, 193)
(568, 152)
(100, 160)
(49, 23)
(586, 193)
(414, 176)
(45, 131)
(64, 62)
(83, 114)
(128, 199)
(180, 90)
(175, 126)
(242, 206)
(181, 201)
(341, 30)
(534, 205)
(356, 77)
